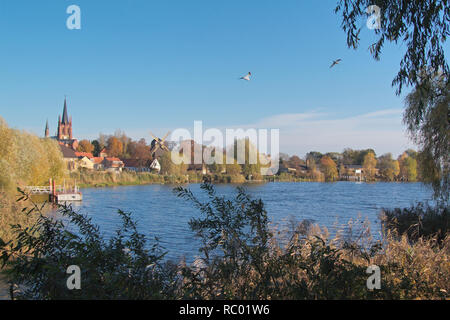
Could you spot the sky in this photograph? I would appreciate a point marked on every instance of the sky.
(160, 65)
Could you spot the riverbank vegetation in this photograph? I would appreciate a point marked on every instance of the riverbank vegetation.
(27, 160)
(242, 257)
(24, 160)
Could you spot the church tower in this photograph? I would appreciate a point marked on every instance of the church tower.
(64, 125)
(47, 131)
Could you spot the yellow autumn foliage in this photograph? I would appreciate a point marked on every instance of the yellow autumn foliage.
(26, 159)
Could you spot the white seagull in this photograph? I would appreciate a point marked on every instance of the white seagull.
(335, 62)
(247, 77)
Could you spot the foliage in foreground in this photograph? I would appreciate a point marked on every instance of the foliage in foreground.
(421, 220)
(126, 266)
(10, 215)
(241, 257)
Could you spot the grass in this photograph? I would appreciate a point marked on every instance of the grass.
(86, 178)
(91, 178)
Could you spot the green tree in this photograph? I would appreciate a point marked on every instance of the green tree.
(427, 119)
(168, 167)
(97, 148)
(419, 26)
(396, 167)
(233, 169)
(217, 168)
(314, 155)
(422, 28)
(335, 156)
(350, 156)
(408, 169)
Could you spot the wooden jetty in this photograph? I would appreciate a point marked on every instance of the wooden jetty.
(56, 193)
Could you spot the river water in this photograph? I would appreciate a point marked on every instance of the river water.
(160, 213)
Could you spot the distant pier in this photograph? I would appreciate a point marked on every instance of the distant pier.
(56, 193)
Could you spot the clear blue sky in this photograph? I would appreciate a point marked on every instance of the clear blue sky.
(158, 65)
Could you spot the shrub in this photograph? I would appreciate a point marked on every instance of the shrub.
(421, 220)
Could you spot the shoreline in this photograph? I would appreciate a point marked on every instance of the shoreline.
(247, 182)
(100, 179)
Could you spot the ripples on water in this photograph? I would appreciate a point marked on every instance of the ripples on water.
(160, 213)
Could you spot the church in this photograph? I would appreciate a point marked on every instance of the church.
(64, 134)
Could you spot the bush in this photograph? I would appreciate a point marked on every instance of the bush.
(10, 214)
(421, 220)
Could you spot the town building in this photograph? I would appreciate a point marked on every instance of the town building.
(69, 157)
(113, 164)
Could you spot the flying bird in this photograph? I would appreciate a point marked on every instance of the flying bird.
(335, 62)
(246, 77)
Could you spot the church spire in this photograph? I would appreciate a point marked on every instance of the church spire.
(47, 132)
(65, 118)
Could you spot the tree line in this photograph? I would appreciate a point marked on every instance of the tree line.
(333, 166)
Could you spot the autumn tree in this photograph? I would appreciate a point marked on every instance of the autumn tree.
(85, 146)
(389, 168)
(114, 147)
(369, 165)
(125, 140)
(295, 162)
(140, 151)
(26, 159)
(342, 171)
(329, 169)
